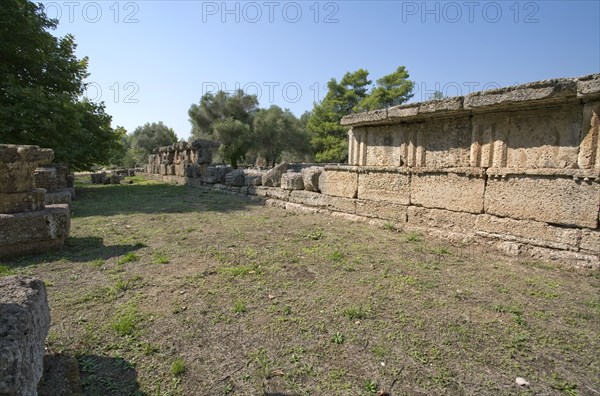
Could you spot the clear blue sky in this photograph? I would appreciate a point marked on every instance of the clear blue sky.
(150, 60)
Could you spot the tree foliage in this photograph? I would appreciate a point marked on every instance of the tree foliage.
(352, 94)
(276, 131)
(147, 137)
(227, 118)
(41, 81)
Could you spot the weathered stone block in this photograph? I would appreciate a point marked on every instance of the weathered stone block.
(558, 200)
(589, 149)
(236, 178)
(323, 201)
(389, 186)
(273, 177)
(590, 241)
(23, 329)
(46, 178)
(339, 182)
(58, 197)
(382, 210)
(527, 231)
(17, 164)
(450, 191)
(23, 201)
(278, 193)
(441, 219)
(29, 232)
(310, 177)
(253, 180)
(292, 181)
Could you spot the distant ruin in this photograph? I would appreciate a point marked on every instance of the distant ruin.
(517, 168)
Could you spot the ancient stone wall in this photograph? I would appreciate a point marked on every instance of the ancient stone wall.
(517, 168)
(182, 159)
(27, 222)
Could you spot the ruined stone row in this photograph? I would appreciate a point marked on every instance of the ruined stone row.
(182, 159)
(517, 168)
(28, 221)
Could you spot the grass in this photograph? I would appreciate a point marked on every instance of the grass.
(169, 290)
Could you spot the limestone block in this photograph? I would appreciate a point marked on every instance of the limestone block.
(236, 178)
(444, 143)
(180, 169)
(451, 191)
(527, 231)
(292, 181)
(366, 117)
(17, 164)
(558, 200)
(23, 201)
(441, 219)
(545, 138)
(171, 169)
(339, 183)
(308, 198)
(23, 329)
(46, 178)
(547, 91)
(386, 145)
(58, 197)
(323, 201)
(310, 177)
(382, 210)
(28, 232)
(589, 149)
(278, 193)
(253, 180)
(590, 241)
(261, 191)
(389, 186)
(298, 208)
(273, 177)
(588, 87)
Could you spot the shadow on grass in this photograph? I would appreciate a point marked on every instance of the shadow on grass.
(88, 375)
(109, 200)
(76, 250)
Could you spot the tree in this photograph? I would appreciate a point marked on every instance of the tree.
(391, 90)
(147, 137)
(41, 81)
(276, 131)
(227, 118)
(329, 138)
(352, 94)
(436, 95)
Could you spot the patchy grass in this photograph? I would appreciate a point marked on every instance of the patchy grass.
(255, 300)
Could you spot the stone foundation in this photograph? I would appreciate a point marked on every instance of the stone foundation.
(517, 168)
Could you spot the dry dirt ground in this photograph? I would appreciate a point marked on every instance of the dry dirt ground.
(171, 290)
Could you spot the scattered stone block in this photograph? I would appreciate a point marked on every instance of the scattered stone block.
(292, 181)
(273, 177)
(23, 329)
(36, 231)
(310, 177)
